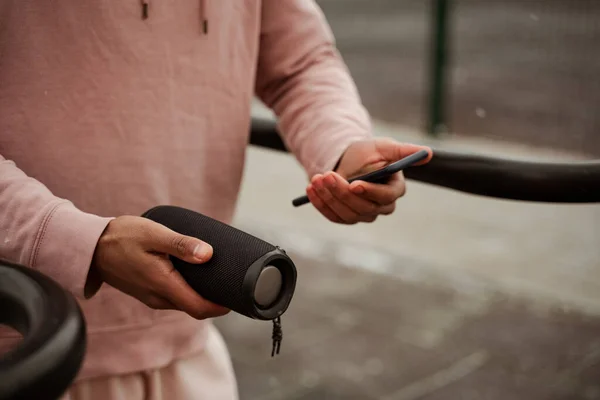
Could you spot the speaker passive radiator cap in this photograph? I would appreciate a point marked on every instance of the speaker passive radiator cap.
(245, 274)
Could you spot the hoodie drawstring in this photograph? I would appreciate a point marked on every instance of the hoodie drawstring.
(144, 9)
(203, 19)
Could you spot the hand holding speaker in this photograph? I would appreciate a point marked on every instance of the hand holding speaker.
(155, 259)
(245, 274)
(132, 255)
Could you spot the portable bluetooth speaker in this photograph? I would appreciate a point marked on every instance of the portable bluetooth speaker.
(245, 274)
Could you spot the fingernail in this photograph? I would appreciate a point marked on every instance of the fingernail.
(359, 189)
(202, 251)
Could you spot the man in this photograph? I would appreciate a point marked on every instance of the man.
(108, 108)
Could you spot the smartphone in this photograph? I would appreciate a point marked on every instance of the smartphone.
(381, 175)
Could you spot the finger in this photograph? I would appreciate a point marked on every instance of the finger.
(371, 217)
(170, 285)
(320, 205)
(367, 218)
(346, 214)
(382, 194)
(392, 150)
(382, 210)
(160, 303)
(387, 210)
(184, 247)
(340, 189)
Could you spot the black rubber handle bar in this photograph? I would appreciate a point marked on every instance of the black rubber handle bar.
(48, 357)
(550, 182)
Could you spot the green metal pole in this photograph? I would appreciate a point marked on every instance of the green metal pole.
(438, 67)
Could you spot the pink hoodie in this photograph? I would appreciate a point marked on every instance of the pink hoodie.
(104, 112)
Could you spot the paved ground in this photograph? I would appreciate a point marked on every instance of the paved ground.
(353, 334)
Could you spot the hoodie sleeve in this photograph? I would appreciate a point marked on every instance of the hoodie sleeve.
(47, 233)
(303, 79)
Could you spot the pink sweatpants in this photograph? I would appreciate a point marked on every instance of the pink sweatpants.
(205, 376)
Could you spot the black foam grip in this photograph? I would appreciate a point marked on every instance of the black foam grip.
(45, 362)
(228, 278)
(484, 175)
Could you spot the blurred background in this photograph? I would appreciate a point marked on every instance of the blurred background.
(453, 296)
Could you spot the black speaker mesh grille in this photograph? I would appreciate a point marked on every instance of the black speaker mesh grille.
(220, 279)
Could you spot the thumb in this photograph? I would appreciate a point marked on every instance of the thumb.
(184, 247)
(392, 150)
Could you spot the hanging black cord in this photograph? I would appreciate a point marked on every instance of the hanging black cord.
(277, 336)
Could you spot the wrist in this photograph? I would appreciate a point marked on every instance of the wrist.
(94, 280)
(341, 157)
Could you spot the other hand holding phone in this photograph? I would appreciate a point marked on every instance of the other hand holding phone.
(362, 198)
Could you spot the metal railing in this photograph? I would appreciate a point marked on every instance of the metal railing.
(548, 182)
